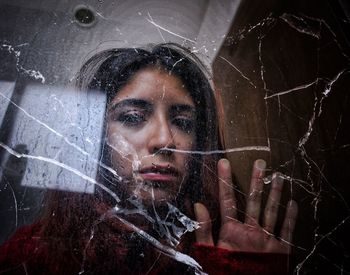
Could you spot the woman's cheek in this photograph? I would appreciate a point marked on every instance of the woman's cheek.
(123, 155)
(187, 157)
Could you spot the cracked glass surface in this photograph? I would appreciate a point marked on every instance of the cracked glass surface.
(283, 74)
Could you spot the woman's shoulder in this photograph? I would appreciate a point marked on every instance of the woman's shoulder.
(25, 235)
(21, 246)
(26, 232)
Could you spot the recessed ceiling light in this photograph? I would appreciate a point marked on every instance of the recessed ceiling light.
(84, 15)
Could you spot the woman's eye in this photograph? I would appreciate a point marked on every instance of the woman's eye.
(185, 124)
(131, 118)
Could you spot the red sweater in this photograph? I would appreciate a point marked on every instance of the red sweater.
(25, 252)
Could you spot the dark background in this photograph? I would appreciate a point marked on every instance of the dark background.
(280, 46)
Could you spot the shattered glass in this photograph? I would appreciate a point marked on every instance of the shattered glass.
(283, 74)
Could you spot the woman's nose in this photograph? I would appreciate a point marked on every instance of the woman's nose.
(161, 138)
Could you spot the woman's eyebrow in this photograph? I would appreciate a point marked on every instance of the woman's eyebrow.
(183, 108)
(132, 102)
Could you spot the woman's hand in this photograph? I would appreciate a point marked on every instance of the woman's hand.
(248, 236)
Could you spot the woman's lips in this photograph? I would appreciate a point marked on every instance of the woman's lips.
(157, 177)
(159, 173)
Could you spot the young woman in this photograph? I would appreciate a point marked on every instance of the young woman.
(168, 204)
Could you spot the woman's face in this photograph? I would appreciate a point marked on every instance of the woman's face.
(152, 112)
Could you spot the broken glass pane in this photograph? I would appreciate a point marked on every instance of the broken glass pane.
(78, 178)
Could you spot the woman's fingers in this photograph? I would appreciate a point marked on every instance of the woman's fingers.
(203, 233)
(272, 205)
(227, 198)
(289, 221)
(255, 192)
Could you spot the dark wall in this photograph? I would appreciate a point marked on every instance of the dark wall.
(284, 73)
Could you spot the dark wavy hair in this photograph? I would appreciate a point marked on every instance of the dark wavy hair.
(110, 70)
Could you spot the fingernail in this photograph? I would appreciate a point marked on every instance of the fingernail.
(292, 203)
(277, 176)
(225, 163)
(260, 164)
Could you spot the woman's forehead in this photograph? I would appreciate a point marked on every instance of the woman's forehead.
(154, 84)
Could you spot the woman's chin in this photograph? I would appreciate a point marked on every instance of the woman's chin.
(156, 196)
(153, 193)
